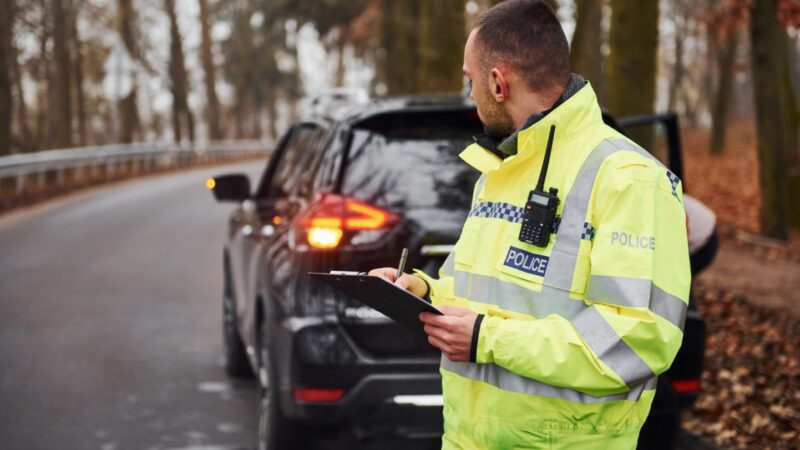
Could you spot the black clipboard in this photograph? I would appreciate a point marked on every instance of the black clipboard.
(395, 302)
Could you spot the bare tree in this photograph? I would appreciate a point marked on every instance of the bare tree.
(6, 53)
(769, 68)
(128, 111)
(585, 54)
(25, 142)
(631, 66)
(441, 46)
(720, 108)
(423, 44)
(62, 117)
(179, 83)
(207, 58)
(76, 49)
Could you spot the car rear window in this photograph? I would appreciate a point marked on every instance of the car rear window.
(412, 162)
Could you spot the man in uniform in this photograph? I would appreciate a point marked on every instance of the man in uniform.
(554, 343)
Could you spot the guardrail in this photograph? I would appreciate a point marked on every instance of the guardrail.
(28, 176)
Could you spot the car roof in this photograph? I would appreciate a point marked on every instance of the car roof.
(353, 113)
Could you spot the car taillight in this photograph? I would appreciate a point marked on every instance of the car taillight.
(333, 217)
(687, 386)
(318, 395)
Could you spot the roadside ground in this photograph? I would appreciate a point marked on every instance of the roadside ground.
(750, 298)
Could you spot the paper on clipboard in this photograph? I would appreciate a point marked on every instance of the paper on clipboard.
(394, 302)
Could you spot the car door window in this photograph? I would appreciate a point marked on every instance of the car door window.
(331, 160)
(313, 162)
(289, 167)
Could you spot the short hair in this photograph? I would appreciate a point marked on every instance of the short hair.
(527, 36)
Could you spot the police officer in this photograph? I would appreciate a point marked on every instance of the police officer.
(566, 297)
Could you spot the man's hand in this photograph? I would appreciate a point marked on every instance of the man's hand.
(411, 283)
(451, 333)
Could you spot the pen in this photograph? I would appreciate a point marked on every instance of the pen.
(402, 267)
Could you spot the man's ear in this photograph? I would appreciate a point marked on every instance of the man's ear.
(498, 85)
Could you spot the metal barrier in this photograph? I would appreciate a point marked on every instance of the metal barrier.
(30, 175)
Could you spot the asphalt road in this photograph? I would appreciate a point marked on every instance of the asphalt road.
(110, 317)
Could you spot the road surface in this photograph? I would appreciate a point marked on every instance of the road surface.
(110, 317)
(110, 320)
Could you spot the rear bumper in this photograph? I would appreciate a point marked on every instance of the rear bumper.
(380, 400)
(380, 394)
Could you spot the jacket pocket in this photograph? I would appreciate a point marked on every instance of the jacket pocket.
(466, 249)
(525, 263)
(537, 266)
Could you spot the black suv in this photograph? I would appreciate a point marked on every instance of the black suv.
(347, 188)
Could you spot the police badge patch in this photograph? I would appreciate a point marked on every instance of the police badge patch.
(528, 262)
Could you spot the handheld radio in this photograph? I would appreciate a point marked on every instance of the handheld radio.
(540, 210)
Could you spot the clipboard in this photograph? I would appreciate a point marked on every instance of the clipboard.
(395, 302)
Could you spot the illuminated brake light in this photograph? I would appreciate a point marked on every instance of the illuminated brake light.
(318, 395)
(325, 222)
(686, 386)
(324, 237)
(370, 218)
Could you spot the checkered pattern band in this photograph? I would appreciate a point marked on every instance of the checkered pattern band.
(504, 211)
(588, 232)
(498, 210)
(675, 181)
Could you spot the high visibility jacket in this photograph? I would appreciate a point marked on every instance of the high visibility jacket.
(573, 335)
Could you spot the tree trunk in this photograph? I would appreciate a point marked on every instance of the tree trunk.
(271, 106)
(62, 123)
(214, 129)
(44, 135)
(720, 111)
(25, 138)
(678, 70)
(631, 66)
(77, 52)
(585, 54)
(399, 36)
(791, 110)
(341, 46)
(424, 46)
(6, 53)
(440, 51)
(768, 67)
(128, 112)
(181, 115)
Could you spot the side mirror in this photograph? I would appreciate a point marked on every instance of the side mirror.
(230, 188)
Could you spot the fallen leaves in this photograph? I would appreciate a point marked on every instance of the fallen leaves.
(751, 381)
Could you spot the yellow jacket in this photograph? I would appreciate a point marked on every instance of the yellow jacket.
(573, 334)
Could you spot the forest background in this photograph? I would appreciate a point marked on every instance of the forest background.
(93, 72)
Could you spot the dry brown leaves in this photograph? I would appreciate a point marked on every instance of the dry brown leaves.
(751, 381)
(726, 183)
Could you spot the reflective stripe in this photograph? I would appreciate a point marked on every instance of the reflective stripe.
(564, 254)
(502, 378)
(512, 297)
(639, 293)
(478, 187)
(624, 144)
(449, 266)
(481, 182)
(610, 347)
(436, 250)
